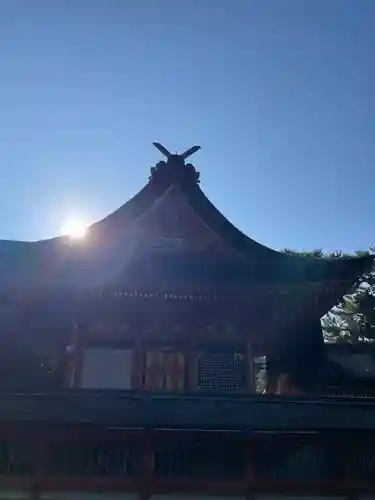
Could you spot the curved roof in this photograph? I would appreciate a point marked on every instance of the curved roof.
(107, 253)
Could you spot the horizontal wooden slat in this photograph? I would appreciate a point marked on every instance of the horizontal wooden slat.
(132, 410)
(36, 460)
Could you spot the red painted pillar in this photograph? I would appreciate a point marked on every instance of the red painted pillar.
(138, 366)
(249, 368)
(75, 360)
(192, 369)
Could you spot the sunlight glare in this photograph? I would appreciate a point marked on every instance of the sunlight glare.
(74, 228)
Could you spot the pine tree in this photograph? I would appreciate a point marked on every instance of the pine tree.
(352, 320)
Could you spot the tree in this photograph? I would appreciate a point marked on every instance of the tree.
(352, 320)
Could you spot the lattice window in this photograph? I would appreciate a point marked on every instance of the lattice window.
(223, 371)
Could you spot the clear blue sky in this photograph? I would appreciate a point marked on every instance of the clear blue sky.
(280, 94)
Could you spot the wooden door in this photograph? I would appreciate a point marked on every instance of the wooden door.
(164, 371)
(174, 371)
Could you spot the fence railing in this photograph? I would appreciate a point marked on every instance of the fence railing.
(151, 462)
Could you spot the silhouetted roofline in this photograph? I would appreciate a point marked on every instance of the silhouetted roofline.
(176, 174)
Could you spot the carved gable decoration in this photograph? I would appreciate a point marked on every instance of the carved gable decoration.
(172, 226)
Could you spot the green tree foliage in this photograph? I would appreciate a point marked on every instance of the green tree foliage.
(352, 320)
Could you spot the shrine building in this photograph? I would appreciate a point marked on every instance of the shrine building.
(156, 324)
(165, 294)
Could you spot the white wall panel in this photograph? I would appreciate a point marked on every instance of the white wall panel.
(107, 369)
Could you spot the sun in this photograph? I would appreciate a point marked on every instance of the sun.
(74, 228)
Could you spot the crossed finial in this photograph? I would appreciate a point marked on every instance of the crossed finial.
(173, 157)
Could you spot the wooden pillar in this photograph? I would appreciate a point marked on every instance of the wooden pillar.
(272, 374)
(138, 366)
(37, 450)
(249, 368)
(191, 369)
(78, 366)
(351, 453)
(147, 466)
(75, 360)
(271, 384)
(249, 467)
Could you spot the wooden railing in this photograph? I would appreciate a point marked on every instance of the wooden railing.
(92, 459)
(71, 459)
(190, 411)
(347, 391)
(234, 445)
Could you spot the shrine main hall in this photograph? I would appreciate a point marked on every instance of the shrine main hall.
(131, 358)
(165, 294)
